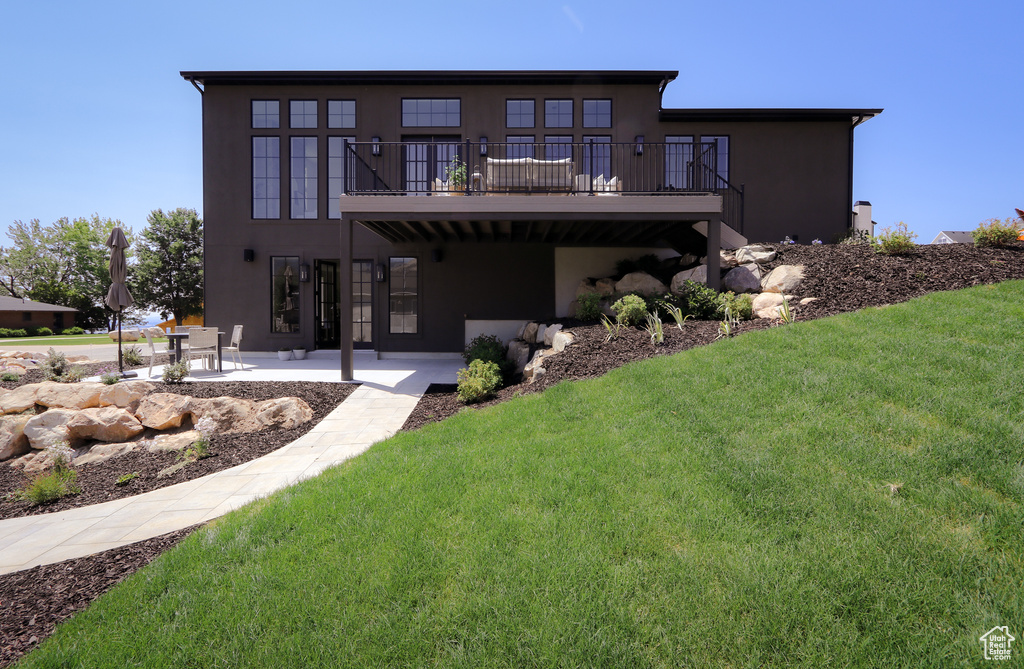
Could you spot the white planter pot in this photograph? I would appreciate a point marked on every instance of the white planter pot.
(284, 355)
(300, 353)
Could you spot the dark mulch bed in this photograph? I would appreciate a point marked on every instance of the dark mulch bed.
(227, 450)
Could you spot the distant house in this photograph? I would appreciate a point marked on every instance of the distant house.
(16, 312)
(953, 237)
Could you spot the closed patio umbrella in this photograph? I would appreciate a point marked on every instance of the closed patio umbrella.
(118, 297)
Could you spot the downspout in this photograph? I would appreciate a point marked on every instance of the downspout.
(857, 120)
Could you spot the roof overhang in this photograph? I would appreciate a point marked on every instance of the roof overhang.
(432, 77)
(854, 116)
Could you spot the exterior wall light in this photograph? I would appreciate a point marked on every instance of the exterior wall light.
(483, 146)
(376, 146)
(639, 145)
(304, 273)
(248, 255)
(381, 274)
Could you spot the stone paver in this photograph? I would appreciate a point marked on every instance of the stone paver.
(374, 411)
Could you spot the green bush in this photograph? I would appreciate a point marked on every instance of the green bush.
(487, 348)
(895, 241)
(630, 310)
(994, 233)
(5, 332)
(588, 306)
(60, 481)
(17, 333)
(740, 306)
(176, 372)
(132, 356)
(72, 331)
(42, 332)
(57, 368)
(479, 381)
(701, 302)
(9, 376)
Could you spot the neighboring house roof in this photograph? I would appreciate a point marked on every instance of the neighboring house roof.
(17, 304)
(953, 237)
(435, 77)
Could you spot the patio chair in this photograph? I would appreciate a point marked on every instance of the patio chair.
(233, 349)
(150, 334)
(202, 342)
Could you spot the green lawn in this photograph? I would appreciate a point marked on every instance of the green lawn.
(728, 506)
(60, 341)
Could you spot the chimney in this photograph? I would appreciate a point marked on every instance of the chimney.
(862, 218)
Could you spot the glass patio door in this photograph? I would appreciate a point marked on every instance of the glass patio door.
(427, 158)
(327, 298)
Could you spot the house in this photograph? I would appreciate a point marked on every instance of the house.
(953, 237)
(401, 211)
(17, 313)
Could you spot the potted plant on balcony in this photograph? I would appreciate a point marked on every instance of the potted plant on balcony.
(455, 176)
(299, 352)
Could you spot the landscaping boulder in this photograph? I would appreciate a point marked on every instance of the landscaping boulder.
(539, 338)
(126, 335)
(13, 441)
(768, 305)
(743, 279)
(19, 399)
(561, 340)
(530, 333)
(783, 279)
(606, 287)
(110, 424)
(535, 368)
(69, 395)
(49, 427)
(586, 287)
(125, 394)
(550, 332)
(641, 283)
(755, 253)
(103, 452)
(283, 412)
(172, 442)
(698, 274)
(229, 414)
(161, 411)
(518, 354)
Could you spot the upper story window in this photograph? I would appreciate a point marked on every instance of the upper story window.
(302, 113)
(519, 146)
(557, 147)
(266, 177)
(558, 113)
(597, 113)
(341, 113)
(266, 114)
(431, 112)
(303, 177)
(519, 113)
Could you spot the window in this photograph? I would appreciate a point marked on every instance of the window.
(284, 297)
(558, 113)
(303, 175)
(266, 114)
(341, 113)
(678, 162)
(403, 295)
(431, 113)
(519, 146)
(302, 113)
(721, 157)
(597, 156)
(597, 113)
(557, 147)
(338, 166)
(519, 113)
(26, 316)
(266, 177)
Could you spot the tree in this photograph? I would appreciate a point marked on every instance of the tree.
(168, 274)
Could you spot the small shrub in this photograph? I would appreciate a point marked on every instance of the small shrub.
(132, 356)
(855, 237)
(60, 481)
(42, 332)
(9, 376)
(588, 306)
(478, 381)
(109, 377)
(20, 332)
(895, 241)
(176, 372)
(200, 448)
(994, 233)
(72, 331)
(125, 479)
(5, 332)
(741, 306)
(485, 347)
(702, 302)
(630, 310)
(57, 368)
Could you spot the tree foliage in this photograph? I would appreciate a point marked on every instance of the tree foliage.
(168, 274)
(65, 263)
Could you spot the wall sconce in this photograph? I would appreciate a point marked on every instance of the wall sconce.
(483, 146)
(376, 146)
(381, 275)
(248, 255)
(304, 273)
(436, 255)
(639, 145)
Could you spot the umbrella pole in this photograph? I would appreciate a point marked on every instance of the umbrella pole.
(120, 354)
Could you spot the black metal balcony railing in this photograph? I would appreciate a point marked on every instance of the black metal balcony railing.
(510, 168)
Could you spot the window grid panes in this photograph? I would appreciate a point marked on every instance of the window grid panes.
(519, 113)
(431, 113)
(597, 113)
(403, 296)
(557, 147)
(303, 177)
(338, 166)
(678, 161)
(341, 113)
(722, 157)
(284, 298)
(558, 113)
(519, 146)
(266, 177)
(302, 113)
(266, 114)
(362, 301)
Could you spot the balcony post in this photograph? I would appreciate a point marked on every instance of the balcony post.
(714, 253)
(345, 297)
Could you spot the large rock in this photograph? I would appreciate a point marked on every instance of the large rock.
(783, 279)
(586, 287)
(561, 340)
(755, 253)
(518, 354)
(698, 274)
(110, 424)
(126, 394)
(162, 411)
(103, 452)
(20, 399)
(743, 279)
(550, 332)
(530, 333)
(227, 413)
(535, 368)
(640, 282)
(172, 442)
(539, 339)
(13, 441)
(283, 412)
(126, 335)
(69, 395)
(49, 427)
(768, 305)
(606, 287)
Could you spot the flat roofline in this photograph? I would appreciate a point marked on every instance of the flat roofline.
(431, 77)
(856, 116)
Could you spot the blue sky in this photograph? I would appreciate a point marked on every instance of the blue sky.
(96, 118)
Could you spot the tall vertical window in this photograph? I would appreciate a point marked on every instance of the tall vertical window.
(721, 156)
(266, 177)
(678, 162)
(597, 156)
(339, 167)
(431, 113)
(284, 294)
(302, 113)
(266, 114)
(341, 113)
(597, 113)
(403, 296)
(557, 147)
(558, 113)
(303, 177)
(519, 146)
(519, 113)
